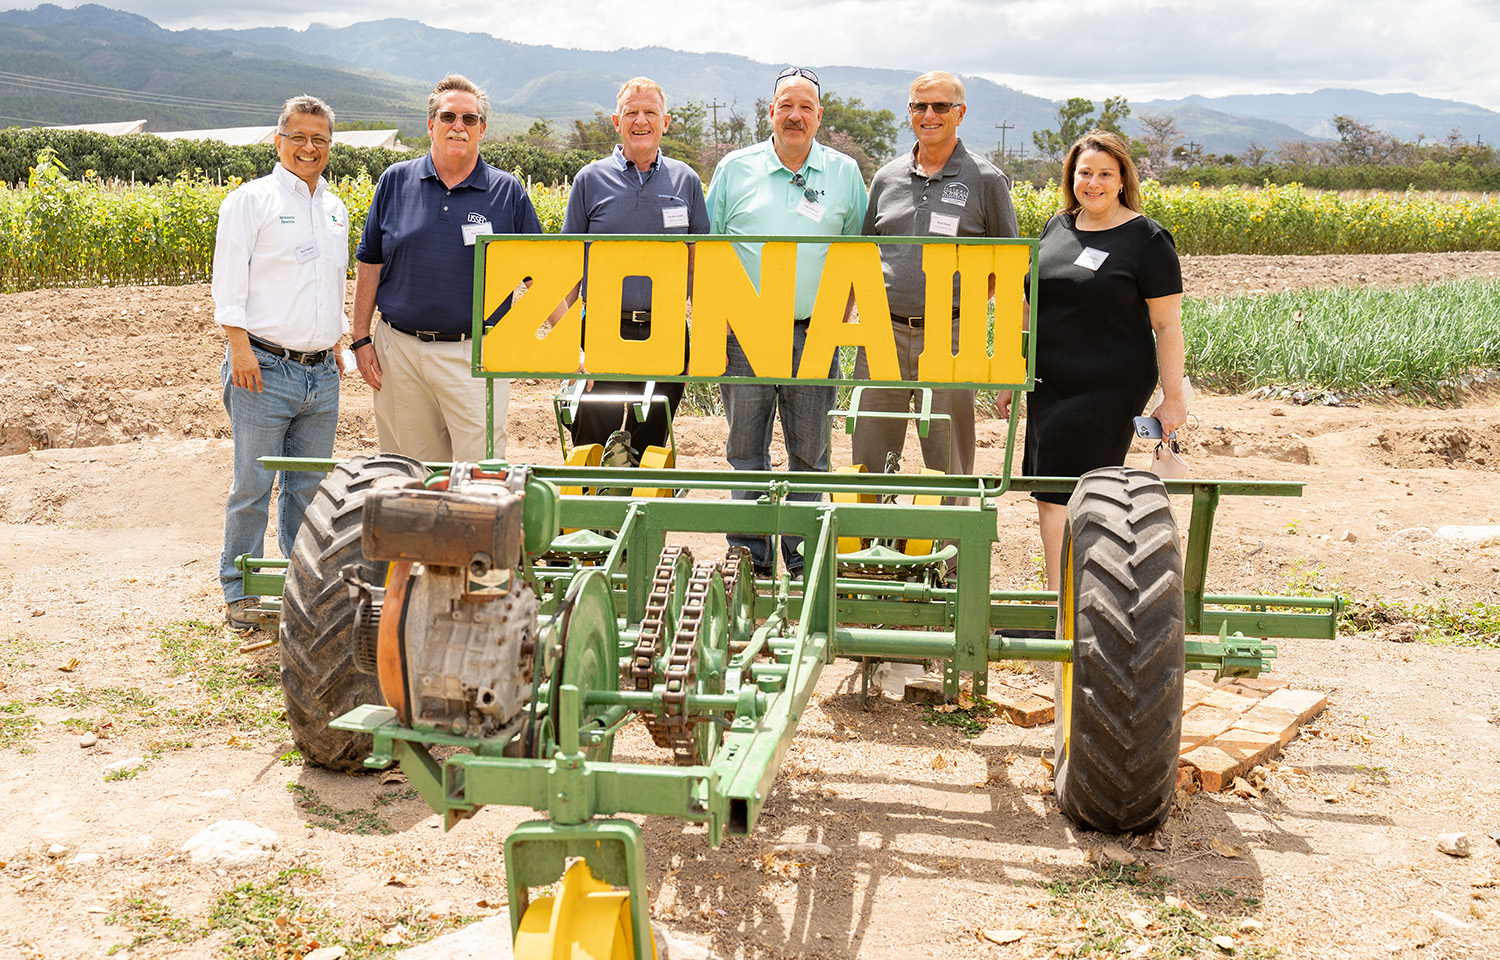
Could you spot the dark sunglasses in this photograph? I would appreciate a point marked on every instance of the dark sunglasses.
(790, 72)
(939, 107)
(446, 117)
(808, 193)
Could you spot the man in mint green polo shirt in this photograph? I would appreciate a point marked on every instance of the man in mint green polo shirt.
(790, 185)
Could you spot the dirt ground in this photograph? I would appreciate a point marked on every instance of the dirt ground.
(114, 461)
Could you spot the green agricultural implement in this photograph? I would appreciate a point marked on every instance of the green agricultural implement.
(443, 606)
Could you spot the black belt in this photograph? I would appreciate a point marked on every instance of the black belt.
(914, 321)
(310, 358)
(431, 336)
(636, 316)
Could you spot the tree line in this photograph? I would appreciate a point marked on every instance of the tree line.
(1362, 158)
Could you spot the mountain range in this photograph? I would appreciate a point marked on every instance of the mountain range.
(380, 72)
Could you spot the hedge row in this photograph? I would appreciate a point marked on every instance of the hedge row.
(145, 158)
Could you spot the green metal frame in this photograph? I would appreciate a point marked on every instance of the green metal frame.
(801, 629)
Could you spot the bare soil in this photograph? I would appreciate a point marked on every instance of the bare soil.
(114, 462)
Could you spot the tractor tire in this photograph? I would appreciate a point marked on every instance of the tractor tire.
(319, 678)
(1119, 704)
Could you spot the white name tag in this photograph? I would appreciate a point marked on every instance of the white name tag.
(1091, 258)
(472, 230)
(674, 217)
(943, 224)
(306, 252)
(810, 210)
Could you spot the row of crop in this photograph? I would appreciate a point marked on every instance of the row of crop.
(1418, 342)
(1291, 219)
(59, 232)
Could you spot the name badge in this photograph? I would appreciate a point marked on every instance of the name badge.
(674, 217)
(1091, 258)
(472, 230)
(944, 224)
(306, 252)
(810, 210)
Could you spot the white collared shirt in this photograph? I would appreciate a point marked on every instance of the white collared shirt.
(280, 261)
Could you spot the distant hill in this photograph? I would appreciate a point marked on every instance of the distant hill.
(381, 70)
(1214, 131)
(181, 85)
(1405, 115)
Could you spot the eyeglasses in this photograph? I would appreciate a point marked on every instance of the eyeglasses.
(791, 72)
(303, 140)
(808, 193)
(446, 118)
(939, 107)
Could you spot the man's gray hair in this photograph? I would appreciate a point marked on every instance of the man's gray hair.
(639, 83)
(457, 81)
(934, 77)
(304, 104)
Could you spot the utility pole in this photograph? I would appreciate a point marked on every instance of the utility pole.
(715, 108)
(1002, 127)
(1192, 149)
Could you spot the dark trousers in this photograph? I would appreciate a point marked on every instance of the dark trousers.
(597, 420)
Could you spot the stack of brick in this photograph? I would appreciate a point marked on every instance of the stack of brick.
(1226, 728)
(1240, 722)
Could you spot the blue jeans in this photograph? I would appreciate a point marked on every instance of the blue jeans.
(295, 415)
(751, 410)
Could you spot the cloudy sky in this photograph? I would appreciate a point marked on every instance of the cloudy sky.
(1143, 49)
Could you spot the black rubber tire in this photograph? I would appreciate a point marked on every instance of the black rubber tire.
(1119, 710)
(319, 678)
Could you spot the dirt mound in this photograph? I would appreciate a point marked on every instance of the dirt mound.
(1460, 447)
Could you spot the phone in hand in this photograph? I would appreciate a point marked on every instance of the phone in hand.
(1148, 427)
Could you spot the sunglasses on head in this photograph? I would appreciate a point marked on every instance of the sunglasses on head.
(791, 72)
(446, 117)
(939, 107)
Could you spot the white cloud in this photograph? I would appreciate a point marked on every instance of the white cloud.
(1141, 48)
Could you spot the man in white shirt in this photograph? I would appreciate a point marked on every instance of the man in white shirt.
(280, 261)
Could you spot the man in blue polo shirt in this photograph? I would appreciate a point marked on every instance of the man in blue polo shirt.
(634, 190)
(416, 263)
(788, 185)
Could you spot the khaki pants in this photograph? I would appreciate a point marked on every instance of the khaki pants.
(430, 406)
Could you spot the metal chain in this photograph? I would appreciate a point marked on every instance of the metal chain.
(649, 643)
(674, 728)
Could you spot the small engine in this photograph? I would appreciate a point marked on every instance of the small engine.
(451, 634)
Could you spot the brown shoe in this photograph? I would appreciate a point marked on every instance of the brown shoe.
(235, 614)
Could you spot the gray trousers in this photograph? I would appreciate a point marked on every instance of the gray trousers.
(951, 451)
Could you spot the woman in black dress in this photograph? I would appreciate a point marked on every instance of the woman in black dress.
(1109, 326)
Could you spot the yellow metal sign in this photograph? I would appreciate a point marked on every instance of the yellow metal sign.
(725, 299)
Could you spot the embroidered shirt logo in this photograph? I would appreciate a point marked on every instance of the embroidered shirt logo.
(287, 219)
(478, 218)
(956, 194)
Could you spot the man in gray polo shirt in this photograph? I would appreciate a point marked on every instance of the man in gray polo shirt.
(634, 190)
(939, 189)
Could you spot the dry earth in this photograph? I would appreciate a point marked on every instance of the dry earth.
(113, 467)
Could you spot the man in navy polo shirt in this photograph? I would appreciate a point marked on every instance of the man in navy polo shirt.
(416, 263)
(634, 190)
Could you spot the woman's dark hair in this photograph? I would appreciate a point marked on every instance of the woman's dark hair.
(1102, 140)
